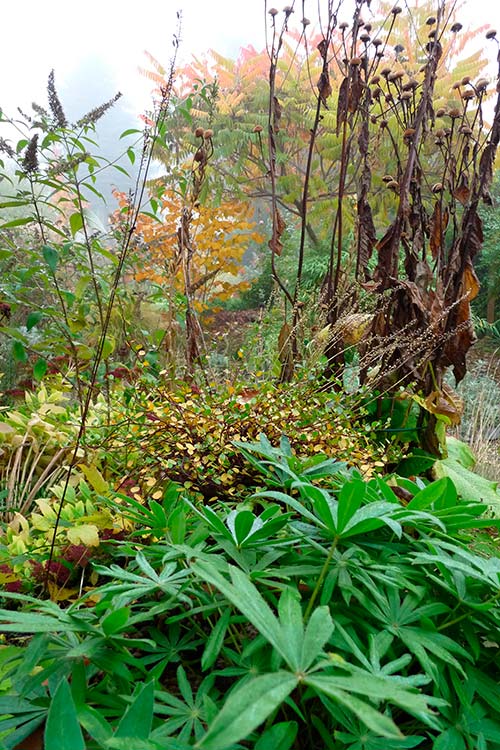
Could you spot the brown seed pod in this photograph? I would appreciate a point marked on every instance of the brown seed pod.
(455, 86)
(410, 85)
(385, 71)
(409, 133)
(431, 21)
(199, 132)
(365, 38)
(343, 26)
(432, 34)
(375, 80)
(208, 134)
(377, 42)
(437, 187)
(355, 61)
(481, 84)
(405, 95)
(465, 130)
(373, 119)
(491, 34)
(387, 178)
(389, 98)
(468, 94)
(440, 133)
(440, 112)
(393, 185)
(396, 10)
(376, 92)
(456, 28)
(258, 129)
(383, 124)
(368, 27)
(273, 11)
(305, 22)
(465, 80)
(454, 112)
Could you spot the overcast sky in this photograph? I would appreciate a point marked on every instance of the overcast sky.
(108, 38)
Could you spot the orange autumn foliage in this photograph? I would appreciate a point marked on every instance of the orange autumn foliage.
(220, 236)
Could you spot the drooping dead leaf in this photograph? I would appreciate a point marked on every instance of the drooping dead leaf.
(438, 225)
(342, 104)
(446, 403)
(462, 190)
(324, 87)
(279, 227)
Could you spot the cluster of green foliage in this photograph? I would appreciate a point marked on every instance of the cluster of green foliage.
(339, 614)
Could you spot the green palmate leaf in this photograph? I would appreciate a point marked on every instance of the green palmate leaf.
(373, 719)
(318, 631)
(215, 641)
(62, 729)
(246, 708)
(280, 736)
(51, 257)
(292, 626)
(138, 718)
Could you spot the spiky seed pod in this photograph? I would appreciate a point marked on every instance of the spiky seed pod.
(405, 96)
(377, 92)
(440, 133)
(437, 187)
(440, 112)
(431, 21)
(465, 130)
(454, 112)
(491, 34)
(456, 28)
(199, 132)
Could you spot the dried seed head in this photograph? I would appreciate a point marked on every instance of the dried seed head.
(396, 10)
(385, 71)
(288, 9)
(491, 34)
(273, 11)
(305, 21)
(387, 178)
(431, 21)
(405, 95)
(440, 133)
(395, 76)
(454, 112)
(456, 28)
(409, 133)
(373, 119)
(389, 98)
(199, 132)
(355, 61)
(343, 26)
(455, 86)
(398, 49)
(465, 80)
(468, 94)
(368, 27)
(481, 84)
(377, 92)
(375, 80)
(437, 187)
(432, 34)
(383, 124)
(365, 38)
(208, 134)
(465, 130)
(258, 129)
(392, 185)
(377, 42)
(440, 112)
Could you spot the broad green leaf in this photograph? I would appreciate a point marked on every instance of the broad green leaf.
(246, 708)
(318, 631)
(116, 620)
(19, 352)
(39, 369)
(292, 627)
(131, 155)
(350, 498)
(280, 736)
(94, 723)
(62, 730)
(33, 319)
(215, 640)
(75, 222)
(51, 257)
(138, 718)
(436, 493)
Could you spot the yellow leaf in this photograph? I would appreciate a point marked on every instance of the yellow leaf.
(84, 534)
(95, 478)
